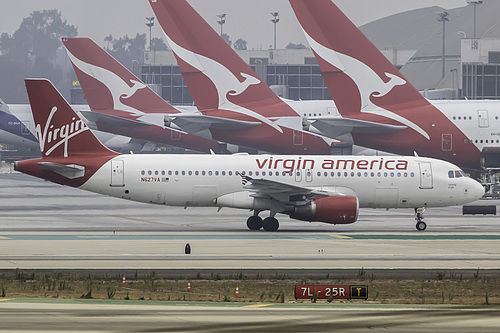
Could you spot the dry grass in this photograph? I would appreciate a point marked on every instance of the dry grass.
(439, 289)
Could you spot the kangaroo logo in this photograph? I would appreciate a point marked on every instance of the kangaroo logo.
(367, 80)
(50, 135)
(224, 81)
(117, 86)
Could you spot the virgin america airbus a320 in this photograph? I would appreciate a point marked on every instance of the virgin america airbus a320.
(310, 188)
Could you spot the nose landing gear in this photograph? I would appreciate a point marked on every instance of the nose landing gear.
(419, 216)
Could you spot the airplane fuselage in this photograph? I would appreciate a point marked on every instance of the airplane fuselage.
(198, 180)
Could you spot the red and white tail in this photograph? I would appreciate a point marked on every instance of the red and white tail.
(357, 74)
(217, 77)
(60, 131)
(107, 84)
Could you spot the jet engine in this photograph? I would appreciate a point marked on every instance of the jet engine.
(334, 210)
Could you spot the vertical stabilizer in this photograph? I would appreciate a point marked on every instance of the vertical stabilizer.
(60, 131)
(216, 76)
(107, 84)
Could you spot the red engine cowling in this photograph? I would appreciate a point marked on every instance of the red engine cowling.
(334, 210)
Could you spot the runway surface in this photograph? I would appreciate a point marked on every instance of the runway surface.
(108, 316)
(47, 226)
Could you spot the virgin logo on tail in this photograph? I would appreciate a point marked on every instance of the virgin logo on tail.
(224, 81)
(56, 136)
(369, 83)
(117, 86)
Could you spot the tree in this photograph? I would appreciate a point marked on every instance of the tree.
(126, 49)
(291, 46)
(227, 39)
(158, 44)
(35, 47)
(240, 44)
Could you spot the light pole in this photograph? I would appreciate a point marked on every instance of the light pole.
(475, 2)
(275, 21)
(222, 20)
(150, 24)
(443, 18)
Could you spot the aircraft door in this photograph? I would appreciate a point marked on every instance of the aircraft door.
(426, 181)
(483, 118)
(298, 138)
(298, 176)
(117, 173)
(25, 125)
(446, 142)
(175, 135)
(309, 175)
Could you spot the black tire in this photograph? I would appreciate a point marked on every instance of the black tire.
(270, 224)
(421, 226)
(254, 223)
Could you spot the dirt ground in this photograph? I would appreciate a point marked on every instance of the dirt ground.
(439, 289)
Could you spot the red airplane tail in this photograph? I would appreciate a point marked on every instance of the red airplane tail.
(107, 84)
(357, 74)
(60, 131)
(216, 76)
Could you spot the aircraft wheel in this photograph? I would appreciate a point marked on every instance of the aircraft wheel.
(254, 222)
(421, 225)
(270, 224)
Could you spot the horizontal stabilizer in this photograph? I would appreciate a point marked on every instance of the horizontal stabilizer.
(95, 117)
(70, 171)
(193, 123)
(335, 127)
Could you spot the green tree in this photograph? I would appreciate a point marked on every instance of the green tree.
(35, 49)
(126, 49)
(291, 46)
(240, 44)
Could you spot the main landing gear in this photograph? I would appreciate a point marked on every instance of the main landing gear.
(419, 216)
(255, 222)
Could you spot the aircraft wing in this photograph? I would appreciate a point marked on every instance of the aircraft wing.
(193, 123)
(288, 193)
(70, 171)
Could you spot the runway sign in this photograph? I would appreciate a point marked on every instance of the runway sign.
(331, 292)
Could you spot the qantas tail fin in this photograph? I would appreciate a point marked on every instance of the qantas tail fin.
(216, 76)
(107, 84)
(60, 131)
(357, 74)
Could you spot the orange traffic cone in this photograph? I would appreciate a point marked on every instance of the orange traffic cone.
(237, 291)
(123, 281)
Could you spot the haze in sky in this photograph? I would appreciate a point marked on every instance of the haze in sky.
(247, 19)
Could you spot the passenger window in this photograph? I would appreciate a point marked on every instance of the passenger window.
(143, 172)
(210, 173)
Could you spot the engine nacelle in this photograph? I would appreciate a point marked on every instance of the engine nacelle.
(334, 210)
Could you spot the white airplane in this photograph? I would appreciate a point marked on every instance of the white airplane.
(310, 188)
(390, 113)
(13, 131)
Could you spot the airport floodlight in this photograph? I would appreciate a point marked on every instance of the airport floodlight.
(150, 24)
(222, 20)
(443, 18)
(475, 3)
(275, 21)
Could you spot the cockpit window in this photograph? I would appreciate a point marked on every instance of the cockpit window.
(451, 174)
(459, 173)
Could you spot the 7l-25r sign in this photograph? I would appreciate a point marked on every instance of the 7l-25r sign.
(330, 292)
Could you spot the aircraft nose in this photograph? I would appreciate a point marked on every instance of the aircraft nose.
(476, 190)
